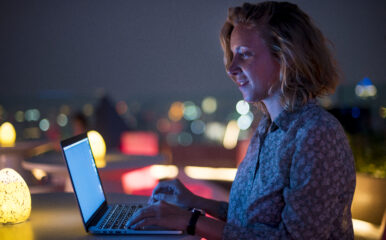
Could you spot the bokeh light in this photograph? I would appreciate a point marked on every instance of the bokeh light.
(121, 107)
(355, 112)
(185, 139)
(197, 127)
(382, 112)
(231, 135)
(32, 115)
(191, 111)
(176, 111)
(209, 105)
(44, 124)
(88, 109)
(365, 88)
(65, 109)
(62, 120)
(19, 116)
(215, 131)
(163, 125)
(242, 107)
(245, 121)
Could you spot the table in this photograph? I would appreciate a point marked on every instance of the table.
(56, 216)
(52, 162)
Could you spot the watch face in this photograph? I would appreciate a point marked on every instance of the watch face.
(202, 212)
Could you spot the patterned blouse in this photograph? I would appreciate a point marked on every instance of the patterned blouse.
(296, 181)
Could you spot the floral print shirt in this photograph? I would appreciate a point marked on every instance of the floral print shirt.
(296, 181)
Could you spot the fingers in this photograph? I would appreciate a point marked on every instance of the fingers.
(144, 222)
(141, 214)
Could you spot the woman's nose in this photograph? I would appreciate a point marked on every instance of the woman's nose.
(233, 69)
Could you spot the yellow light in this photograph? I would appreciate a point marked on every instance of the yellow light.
(367, 230)
(98, 147)
(209, 105)
(382, 112)
(15, 197)
(208, 173)
(163, 171)
(7, 135)
(231, 135)
(39, 174)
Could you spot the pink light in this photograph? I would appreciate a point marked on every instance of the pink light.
(139, 182)
(200, 190)
(139, 143)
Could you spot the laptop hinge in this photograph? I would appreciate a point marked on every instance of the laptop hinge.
(97, 215)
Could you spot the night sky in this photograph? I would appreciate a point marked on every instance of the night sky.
(156, 49)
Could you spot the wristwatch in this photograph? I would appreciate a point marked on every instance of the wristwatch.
(191, 229)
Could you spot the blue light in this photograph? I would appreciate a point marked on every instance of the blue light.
(365, 82)
(355, 112)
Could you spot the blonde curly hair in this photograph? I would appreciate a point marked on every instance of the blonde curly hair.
(307, 66)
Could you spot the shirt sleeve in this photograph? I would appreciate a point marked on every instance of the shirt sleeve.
(320, 189)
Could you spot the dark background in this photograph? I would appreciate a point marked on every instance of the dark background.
(157, 49)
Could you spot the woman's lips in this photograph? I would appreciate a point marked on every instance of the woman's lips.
(241, 83)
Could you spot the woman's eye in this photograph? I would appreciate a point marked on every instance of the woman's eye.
(244, 55)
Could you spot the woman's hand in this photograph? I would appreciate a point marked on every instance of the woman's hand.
(160, 214)
(174, 192)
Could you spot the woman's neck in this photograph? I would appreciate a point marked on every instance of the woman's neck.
(272, 103)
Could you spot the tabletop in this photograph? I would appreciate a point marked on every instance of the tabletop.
(56, 216)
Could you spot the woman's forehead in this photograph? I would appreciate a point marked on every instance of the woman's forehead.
(245, 36)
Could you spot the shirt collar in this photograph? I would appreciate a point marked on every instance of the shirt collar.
(285, 118)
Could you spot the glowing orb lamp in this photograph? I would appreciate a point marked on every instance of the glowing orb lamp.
(98, 148)
(7, 135)
(15, 197)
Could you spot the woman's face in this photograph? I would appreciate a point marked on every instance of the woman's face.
(252, 68)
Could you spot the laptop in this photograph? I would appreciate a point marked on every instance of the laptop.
(98, 216)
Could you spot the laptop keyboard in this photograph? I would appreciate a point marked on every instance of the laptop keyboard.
(118, 216)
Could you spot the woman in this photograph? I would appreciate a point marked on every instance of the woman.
(297, 179)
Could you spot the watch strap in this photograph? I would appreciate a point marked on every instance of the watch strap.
(191, 229)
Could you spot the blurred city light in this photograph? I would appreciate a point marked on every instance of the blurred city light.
(231, 135)
(138, 180)
(382, 112)
(325, 102)
(163, 171)
(209, 173)
(365, 88)
(172, 139)
(176, 111)
(242, 107)
(209, 105)
(62, 120)
(39, 174)
(185, 139)
(139, 143)
(355, 112)
(245, 121)
(98, 147)
(215, 131)
(366, 230)
(88, 110)
(32, 115)
(191, 111)
(7, 135)
(65, 109)
(31, 133)
(163, 125)
(197, 127)
(121, 107)
(44, 124)
(19, 116)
